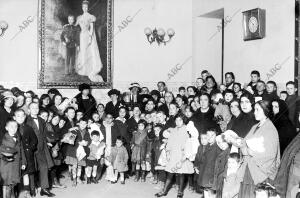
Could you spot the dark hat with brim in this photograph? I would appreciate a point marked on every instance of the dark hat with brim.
(135, 84)
(113, 91)
(7, 151)
(84, 86)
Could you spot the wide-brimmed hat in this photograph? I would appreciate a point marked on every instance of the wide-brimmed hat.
(135, 84)
(8, 94)
(113, 91)
(7, 151)
(83, 86)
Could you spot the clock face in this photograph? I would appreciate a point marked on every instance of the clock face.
(253, 24)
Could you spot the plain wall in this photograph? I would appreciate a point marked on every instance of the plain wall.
(241, 57)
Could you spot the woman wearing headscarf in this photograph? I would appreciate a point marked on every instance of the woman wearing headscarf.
(285, 127)
(260, 150)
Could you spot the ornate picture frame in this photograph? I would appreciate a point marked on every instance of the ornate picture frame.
(69, 53)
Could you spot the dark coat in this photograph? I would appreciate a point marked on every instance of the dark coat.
(11, 171)
(155, 152)
(242, 124)
(198, 163)
(293, 105)
(132, 126)
(204, 121)
(65, 129)
(114, 133)
(285, 127)
(112, 109)
(88, 106)
(220, 172)
(29, 141)
(284, 177)
(80, 135)
(170, 123)
(207, 171)
(42, 154)
(270, 97)
(122, 128)
(164, 108)
(4, 116)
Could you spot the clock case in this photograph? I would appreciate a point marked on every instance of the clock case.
(260, 15)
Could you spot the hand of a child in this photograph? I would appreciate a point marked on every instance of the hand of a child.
(196, 170)
(49, 144)
(23, 167)
(249, 89)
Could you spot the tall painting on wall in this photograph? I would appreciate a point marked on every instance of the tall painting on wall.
(75, 43)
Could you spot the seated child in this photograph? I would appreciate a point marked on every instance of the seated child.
(96, 151)
(119, 159)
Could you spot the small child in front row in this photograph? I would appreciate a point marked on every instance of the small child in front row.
(138, 147)
(96, 151)
(119, 159)
(12, 159)
(155, 151)
(162, 158)
(199, 160)
(82, 140)
(231, 183)
(207, 171)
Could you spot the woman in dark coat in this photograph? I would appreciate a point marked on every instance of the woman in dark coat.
(285, 127)
(113, 106)
(245, 120)
(203, 118)
(86, 102)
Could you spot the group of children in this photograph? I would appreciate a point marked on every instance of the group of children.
(131, 144)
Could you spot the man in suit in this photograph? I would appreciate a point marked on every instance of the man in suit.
(42, 155)
(69, 38)
(161, 86)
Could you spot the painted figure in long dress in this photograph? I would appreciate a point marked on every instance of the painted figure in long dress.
(88, 59)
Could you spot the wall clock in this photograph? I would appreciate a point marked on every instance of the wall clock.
(254, 24)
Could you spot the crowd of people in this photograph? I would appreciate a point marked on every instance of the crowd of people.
(223, 141)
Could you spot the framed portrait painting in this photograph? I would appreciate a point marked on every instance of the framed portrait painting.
(75, 43)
